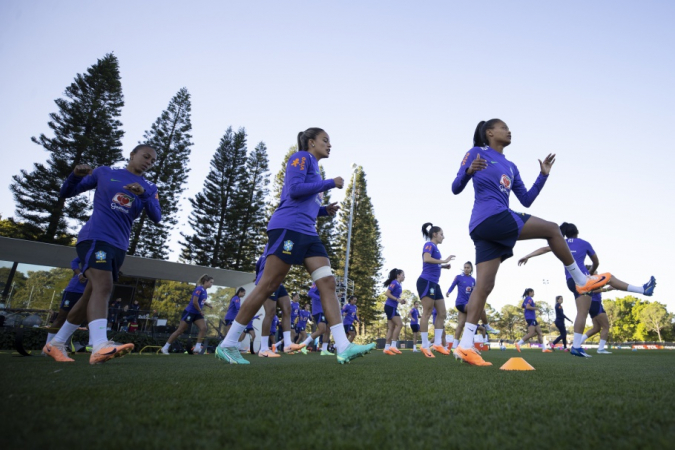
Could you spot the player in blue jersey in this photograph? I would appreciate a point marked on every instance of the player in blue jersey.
(319, 319)
(495, 229)
(301, 324)
(121, 196)
(600, 320)
(394, 323)
(581, 249)
(272, 338)
(233, 309)
(71, 295)
(293, 240)
(429, 291)
(192, 314)
(288, 343)
(350, 315)
(414, 315)
(533, 327)
(559, 322)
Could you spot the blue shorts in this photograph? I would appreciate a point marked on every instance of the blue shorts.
(279, 293)
(293, 247)
(248, 330)
(228, 322)
(273, 332)
(69, 299)
(461, 308)
(391, 312)
(531, 322)
(300, 327)
(596, 308)
(415, 327)
(190, 317)
(319, 318)
(349, 329)
(496, 236)
(100, 255)
(427, 288)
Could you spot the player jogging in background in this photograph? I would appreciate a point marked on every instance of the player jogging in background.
(71, 295)
(533, 328)
(600, 320)
(428, 289)
(494, 228)
(319, 319)
(193, 314)
(350, 314)
(559, 322)
(414, 314)
(121, 196)
(233, 308)
(580, 249)
(394, 323)
(273, 333)
(301, 324)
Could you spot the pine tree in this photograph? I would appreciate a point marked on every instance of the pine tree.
(365, 255)
(86, 131)
(170, 136)
(325, 226)
(214, 219)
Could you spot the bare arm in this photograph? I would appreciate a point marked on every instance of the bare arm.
(539, 252)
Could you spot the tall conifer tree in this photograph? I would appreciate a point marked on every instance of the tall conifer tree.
(170, 136)
(86, 131)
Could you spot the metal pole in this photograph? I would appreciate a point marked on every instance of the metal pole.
(31, 297)
(349, 230)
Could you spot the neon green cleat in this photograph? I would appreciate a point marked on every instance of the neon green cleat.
(230, 355)
(303, 350)
(326, 353)
(354, 351)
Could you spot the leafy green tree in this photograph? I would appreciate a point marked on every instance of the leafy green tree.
(86, 131)
(623, 320)
(170, 136)
(42, 289)
(655, 318)
(17, 230)
(170, 299)
(511, 322)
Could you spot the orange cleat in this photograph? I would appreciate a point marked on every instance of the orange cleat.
(108, 351)
(440, 349)
(395, 350)
(268, 354)
(594, 282)
(427, 352)
(518, 347)
(389, 352)
(470, 356)
(450, 346)
(547, 351)
(57, 351)
(294, 348)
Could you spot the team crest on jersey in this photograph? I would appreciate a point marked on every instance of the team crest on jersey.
(432, 291)
(505, 183)
(100, 256)
(288, 247)
(123, 199)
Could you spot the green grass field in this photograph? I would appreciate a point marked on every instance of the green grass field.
(623, 400)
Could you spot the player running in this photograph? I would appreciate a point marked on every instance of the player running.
(414, 315)
(559, 322)
(394, 323)
(349, 312)
(533, 327)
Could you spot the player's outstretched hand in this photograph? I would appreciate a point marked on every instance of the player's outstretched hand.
(82, 170)
(332, 209)
(523, 261)
(134, 188)
(547, 164)
(339, 182)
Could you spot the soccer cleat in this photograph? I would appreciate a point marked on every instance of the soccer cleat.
(303, 350)
(604, 352)
(440, 349)
(274, 348)
(109, 350)
(326, 353)
(395, 350)
(546, 350)
(490, 329)
(449, 347)
(470, 356)
(518, 347)
(354, 351)
(164, 351)
(649, 287)
(230, 355)
(268, 354)
(594, 282)
(427, 352)
(57, 351)
(456, 355)
(295, 348)
(579, 352)
(389, 351)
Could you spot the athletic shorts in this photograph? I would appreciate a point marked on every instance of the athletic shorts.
(496, 236)
(293, 247)
(300, 328)
(69, 299)
(100, 255)
(531, 322)
(426, 288)
(415, 327)
(319, 318)
(228, 322)
(248, 330)
(190, 317)
(273, 332)
(279, 293)
(349, 329)
(391, 312)
(596, 308)
(461, 308)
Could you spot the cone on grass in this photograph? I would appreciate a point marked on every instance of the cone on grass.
(516, 364)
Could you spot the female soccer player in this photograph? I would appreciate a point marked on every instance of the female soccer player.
(533, 327)
(233, 309)
(465, 284)
(71, 295)
(394, 324)
(560, 323)
(581, 249)
(193, 314)
(600, 320)
(293, 239)
(414, 314)
(428, 289)
(121, 196)
(273, 333)
(319, 319)
(349, 312)
(495, 229)
(301, 324)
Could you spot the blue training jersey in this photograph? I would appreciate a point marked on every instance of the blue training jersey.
(74, 285)
(316, 300)
(465, 284)
(350, 311)
(295, 309)
(493, 185)
(303, 317)
(115, 208)
(580, 249)
(430, 271)
(414, 317)
(274, 325)
(199, 294)
(396, 290)
(233, 308)
(529, 314)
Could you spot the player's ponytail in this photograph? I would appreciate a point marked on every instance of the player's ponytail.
(239, 291)
(479, 138)
(305, 136)
(528, 292)
(203, 279)
(428, 230)
(392, 276)
(569, 230)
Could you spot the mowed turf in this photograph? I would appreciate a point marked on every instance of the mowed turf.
(623, 400)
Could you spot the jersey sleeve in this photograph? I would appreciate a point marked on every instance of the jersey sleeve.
(428, 248)
(454, 284)
(526, 197)
(296, 173)
(463, 178)
(75, 264)
(75, 185)
(589, 250)
(150, 199)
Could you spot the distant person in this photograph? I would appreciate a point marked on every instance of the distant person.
(233, 309)
(559, 322)
(394, 323)
(414, 314)
(533, 328)
(350, 315)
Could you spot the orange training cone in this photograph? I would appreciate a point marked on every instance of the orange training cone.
(516, 364)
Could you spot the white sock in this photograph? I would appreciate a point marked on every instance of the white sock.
(438, 336)
(264, 343)
(278, 344)
(583, 338)
(341, 341)
(455, 343)
(425, 339)
(98, 329)
(198, 347)
(577, 275)
(467, 335)
(66, 331)
(308, 341)
(393, 344)
(386, 346)
(166, 346)
(287, 339)
(232, 338)
(636, 289)
(521, 342)
(576, 343)
(602, 344)
(50, 336)
(324, 347)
